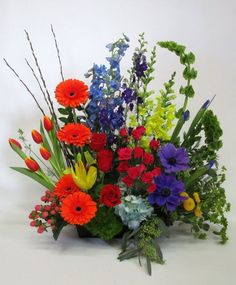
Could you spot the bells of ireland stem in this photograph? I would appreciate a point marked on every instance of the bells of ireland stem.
(84, 179)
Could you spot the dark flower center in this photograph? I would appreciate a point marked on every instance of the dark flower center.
(74, 135)
(72, 94)
(78, 209)
(165, 192)
(68, 188)
(172, 161)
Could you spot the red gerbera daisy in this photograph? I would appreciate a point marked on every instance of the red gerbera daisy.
(71, 93)
(65, 186)
(76, 134)
(78, 208)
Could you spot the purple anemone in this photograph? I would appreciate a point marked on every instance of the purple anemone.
(173, 159)
(167, 192)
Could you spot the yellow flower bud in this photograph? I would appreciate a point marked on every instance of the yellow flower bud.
(196, 197)
(189, 204)
(197, 212)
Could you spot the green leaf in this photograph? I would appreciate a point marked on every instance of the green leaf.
(63, 119)
(129, 254)
(18, 151)
(124, 241)
(206, 227)
(158, 252)
(189, 91)
(60, 224)
(162, 227)
(34, 176)
(194, 176)
(89, 159)
(191, 58)
(149, 265)
(63, 111)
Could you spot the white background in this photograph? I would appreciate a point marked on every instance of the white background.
(83, 29)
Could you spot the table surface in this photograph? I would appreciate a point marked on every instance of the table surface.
(30, 258)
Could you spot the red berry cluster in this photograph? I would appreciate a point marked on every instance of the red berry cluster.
(44, 216)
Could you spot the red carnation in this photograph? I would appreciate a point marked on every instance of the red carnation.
(105, 158)
(123, 166)
(148, 158)
(147, 177)
(154, 144)
(151, 188)
(110, 195)
(125, 153)
(138, 132)
(128, 181)
(98, 141)
(134, 172)
(123, 133)
(138, 152)
(156, 171)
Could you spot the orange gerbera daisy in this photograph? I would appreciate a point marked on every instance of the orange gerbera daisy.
(76, 134)
(78, 208)
(71, 93)
(65, 186)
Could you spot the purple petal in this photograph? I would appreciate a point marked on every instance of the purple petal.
(160, 200)
(152, 198)
(170, 207)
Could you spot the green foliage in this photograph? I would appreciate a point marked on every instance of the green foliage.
(163, 113)
(186, 59)
(146, 237)
(35, 176)
(59, 225)
(106, 224)
(143, 242)
(213, 131)
(189, 73)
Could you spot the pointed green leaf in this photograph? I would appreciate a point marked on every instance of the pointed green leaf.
(59, 226)
(149, 265)
(34, 176)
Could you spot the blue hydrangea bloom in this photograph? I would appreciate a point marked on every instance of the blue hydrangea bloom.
(133, 210)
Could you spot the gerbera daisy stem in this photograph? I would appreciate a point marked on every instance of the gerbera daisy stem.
(74, 115)
(27, 88)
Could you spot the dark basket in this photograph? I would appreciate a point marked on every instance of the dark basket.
(84, 233)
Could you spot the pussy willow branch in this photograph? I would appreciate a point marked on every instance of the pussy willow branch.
(58, 52)
(41, 76)
(27, 88)
(40, 86)
(63, 146)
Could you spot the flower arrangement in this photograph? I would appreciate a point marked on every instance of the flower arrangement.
(116, 158)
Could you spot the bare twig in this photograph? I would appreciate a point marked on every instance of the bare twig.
(41, 75)
(23, 83)
(58, 52)
(40, 86)
(63, 146)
